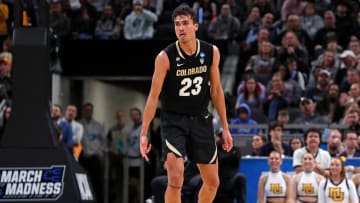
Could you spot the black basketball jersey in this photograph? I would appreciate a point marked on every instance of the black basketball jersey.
(186, 88)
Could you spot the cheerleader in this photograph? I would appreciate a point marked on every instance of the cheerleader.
(337, 188)
(274, 186)
(305, 185)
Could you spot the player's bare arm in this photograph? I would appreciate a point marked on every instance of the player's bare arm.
(162, 66)
(218, 99)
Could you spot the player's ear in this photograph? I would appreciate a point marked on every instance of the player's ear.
(196, 26)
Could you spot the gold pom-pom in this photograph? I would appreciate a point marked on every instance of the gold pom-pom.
(342, 158)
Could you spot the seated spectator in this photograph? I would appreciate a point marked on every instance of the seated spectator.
(351, 147)
(326, 61)
(251, 92)
(309, 115)
(318, 93)
(351, 115)
(295, 143)
(311, 22)
(334, 143)
(58, 21)
(256, 143)
(283, 116)
(108, 26)
(225, 27)
(243, 118)
(291, 73)
(139, 24)
(207, 12)
(232, 183)
(275, 141)
(191, 185)
(292, 47)
(280, 94)
(292, 7)
(262, 63)
(322, 157)
(274, 177)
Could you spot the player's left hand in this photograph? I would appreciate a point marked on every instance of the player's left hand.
(227, 139)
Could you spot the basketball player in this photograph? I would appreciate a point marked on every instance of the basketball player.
(187, 76)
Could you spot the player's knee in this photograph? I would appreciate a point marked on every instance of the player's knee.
(212, 183)
(176, 178)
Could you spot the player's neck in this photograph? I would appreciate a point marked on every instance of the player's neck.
(189, 47)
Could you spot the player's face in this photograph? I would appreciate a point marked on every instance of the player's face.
(185, 28)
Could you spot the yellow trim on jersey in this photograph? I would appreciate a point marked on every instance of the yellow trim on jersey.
(214, 156)
(181, 54)
(197, 47)
(172, 148)
(178, 49)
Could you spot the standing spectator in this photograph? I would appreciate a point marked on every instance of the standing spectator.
(139, 24)
(274, 178)
(134, 157)
(225, 27)
(337, 182)
(66, 131)
(77, 128)
(117, 143)
(108, 26)
(93, 142)
(312, 139)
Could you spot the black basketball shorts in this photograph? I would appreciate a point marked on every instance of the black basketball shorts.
(191, 136)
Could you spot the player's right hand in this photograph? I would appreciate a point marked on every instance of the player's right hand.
(145, 147)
